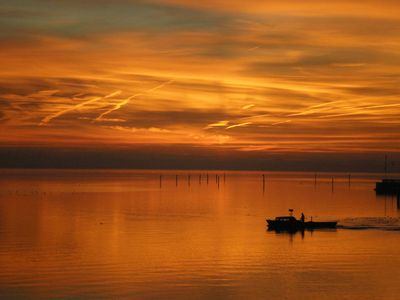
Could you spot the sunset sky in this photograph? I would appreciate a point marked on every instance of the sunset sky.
(250, 78)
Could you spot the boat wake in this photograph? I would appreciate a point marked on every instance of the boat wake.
(381, 223)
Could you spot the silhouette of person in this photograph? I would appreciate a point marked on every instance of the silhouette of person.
(302, 217)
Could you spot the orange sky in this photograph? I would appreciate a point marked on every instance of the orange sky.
(281, 76)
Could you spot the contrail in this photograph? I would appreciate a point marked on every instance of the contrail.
(248, 106)
(382, 106)
(314, 109)
(116, 93)
(218, 124)
(238, 125)
(47, 119)
(281, 122)
(126, 101)
(361, 110)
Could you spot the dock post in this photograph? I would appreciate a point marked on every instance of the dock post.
(263, 178)
(207, 178)
(160, 181)
(176, 180)
(199, 178)
(188, 180)
(332, 184)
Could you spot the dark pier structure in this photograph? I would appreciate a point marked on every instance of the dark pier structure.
(388, 187)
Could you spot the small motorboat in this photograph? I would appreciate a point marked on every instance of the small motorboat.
(290, 223)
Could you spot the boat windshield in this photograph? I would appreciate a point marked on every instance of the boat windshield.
(285, 219)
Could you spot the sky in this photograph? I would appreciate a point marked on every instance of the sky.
(184, 83)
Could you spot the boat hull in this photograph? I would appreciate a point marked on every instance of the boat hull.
(298, 225)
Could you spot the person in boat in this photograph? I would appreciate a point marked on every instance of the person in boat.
(302, 218)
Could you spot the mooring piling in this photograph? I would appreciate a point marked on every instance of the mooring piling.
(263, 179)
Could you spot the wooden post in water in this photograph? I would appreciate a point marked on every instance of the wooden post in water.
(176, 180)
(315, 179)
(216, 178)
(199, 178)
(263, 178)
(160, 181)
(218, 181)
(207, 178)
(188, 180)
(224, 178)
(332, 184)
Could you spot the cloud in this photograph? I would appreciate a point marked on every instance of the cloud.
(126, 101)
(296, 8)
(329, 68)
(238, 125)
(218, 124)
(47, 119)
(248, 106)
(281, 122)
(85, 18)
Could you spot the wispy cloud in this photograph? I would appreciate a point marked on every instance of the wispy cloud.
(316, 108)
(126, 101)
(48, 119)
(248, 106)
(281, 122)
(259, 63)
(218, 124)
(238, 125)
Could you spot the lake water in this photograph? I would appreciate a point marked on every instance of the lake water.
(128, 234)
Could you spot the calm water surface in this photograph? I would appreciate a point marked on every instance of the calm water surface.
(126, 234)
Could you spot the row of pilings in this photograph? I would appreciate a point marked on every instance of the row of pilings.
(202, 178)
(206, 178)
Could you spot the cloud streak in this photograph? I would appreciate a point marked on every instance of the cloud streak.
(238, 125)
(126, 101)
(49, 118)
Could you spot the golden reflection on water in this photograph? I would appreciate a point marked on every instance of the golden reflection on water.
(121, 234)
